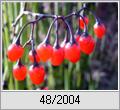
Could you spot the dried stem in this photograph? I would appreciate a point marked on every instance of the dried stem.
(55, 17)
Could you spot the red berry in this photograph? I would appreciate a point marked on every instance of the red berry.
(37, 74)
(57, 56)
(44, 51)
(19, 72)
(81, 22)
(72, 52)
(99, 30)
(15, 52)
(87, 44)
(31, 57)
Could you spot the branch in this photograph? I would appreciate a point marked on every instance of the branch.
(32, 15)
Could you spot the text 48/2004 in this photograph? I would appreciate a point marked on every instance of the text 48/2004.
(60, 99)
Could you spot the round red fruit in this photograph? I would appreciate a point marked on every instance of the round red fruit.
(15, 52)
(37, 74)
(99, 30)
(87, 44)
(81, 22)
(72, 52)
(31, 56)
(44, 51)
(19, 72)
(57, 56)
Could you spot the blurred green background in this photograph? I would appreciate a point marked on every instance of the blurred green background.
(98, 71)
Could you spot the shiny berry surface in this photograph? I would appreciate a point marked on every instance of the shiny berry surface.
(99, 30)
(72, 52)
(44, 51)
(87, 44)
(15, 52)
(57, 56)
(81, 22)
(19, 72)
(37, 74)
(31, 57)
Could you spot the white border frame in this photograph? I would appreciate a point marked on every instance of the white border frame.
(61, 90)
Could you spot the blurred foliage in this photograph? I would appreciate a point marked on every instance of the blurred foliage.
(97, 71)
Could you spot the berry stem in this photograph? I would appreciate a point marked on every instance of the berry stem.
(98, 21)
(55, 17)
(32, 39)
(22, 29)
(28, 13)
(78, 32)
(86, 8)
(18, 41)
(57, 39)
(27, 43)
(70, 15)
(66, 39)
(32, 15)
(32, 43)
(19, 62)
(47, 39)
(72, 39)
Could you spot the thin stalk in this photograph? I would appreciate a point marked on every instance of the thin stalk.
(22, 29)
(85, 8)
(66, 39)
(72, 39)
(56, 45)
(47, 39)
(42, 16)
(33, 44)
(28, 13)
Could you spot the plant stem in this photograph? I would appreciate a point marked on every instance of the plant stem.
(19, 35)
(47, 39)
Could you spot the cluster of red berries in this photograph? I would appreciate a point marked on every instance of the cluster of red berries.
(69, 50)
(86, 41)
